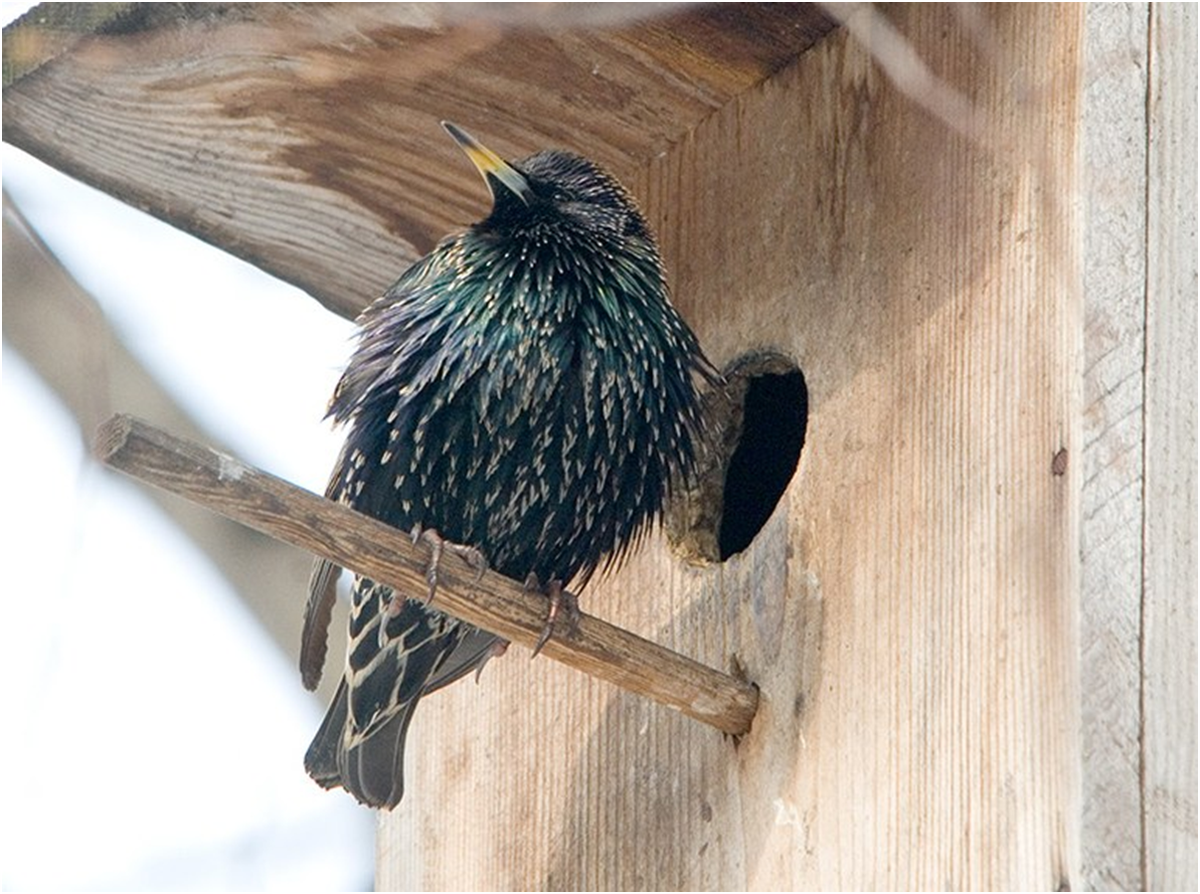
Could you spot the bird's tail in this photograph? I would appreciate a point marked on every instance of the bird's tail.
(321, 759)
(360, 744)
(372, 767)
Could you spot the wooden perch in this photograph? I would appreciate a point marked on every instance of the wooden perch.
(494, 602)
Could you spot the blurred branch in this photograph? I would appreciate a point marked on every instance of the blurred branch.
(383, 553)
(906, 69)
(61, 331)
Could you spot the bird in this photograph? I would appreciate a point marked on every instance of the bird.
(525, 394)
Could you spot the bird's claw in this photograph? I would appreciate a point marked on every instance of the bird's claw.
(495, 650)
(437, 544)
(386, 613)
(563, 605)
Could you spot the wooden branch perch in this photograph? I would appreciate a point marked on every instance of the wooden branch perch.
(367, 546)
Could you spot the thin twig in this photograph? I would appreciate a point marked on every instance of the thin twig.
(367, 546)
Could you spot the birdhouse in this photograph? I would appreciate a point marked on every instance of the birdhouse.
(944, 258)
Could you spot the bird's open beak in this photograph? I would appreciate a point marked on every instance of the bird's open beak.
(490, 165)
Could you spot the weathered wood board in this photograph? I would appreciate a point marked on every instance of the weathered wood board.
(1138, 496)
(1169, 576)
(1114, 147)
(305, 137)
(910, 610)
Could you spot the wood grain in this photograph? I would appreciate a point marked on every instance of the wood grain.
(1169, 621)
(491, 601)
(1114, 183)
(1138, 497)
(305, 138)
(910, 611)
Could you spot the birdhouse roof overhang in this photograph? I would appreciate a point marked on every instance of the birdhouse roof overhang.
(305, 137)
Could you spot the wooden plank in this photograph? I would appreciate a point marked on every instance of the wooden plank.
(1114, 183)
(910, 611)
(50, 29)
(305, 139)
(1169, 620)
(1138, 497)
(367, 546)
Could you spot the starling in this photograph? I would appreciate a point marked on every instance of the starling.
(525, 389)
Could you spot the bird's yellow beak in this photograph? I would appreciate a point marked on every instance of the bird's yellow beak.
(490, 165)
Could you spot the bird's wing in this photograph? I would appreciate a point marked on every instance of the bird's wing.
(322, 592)
(474, 649)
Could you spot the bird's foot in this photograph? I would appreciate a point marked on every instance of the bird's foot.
(387, 611)
(437, 545)
(563, 605)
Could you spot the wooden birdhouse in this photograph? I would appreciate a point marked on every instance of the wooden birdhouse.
(945, 256)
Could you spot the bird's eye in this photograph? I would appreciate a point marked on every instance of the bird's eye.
(560, 196)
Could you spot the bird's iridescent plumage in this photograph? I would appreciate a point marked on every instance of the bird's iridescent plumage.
(526, 388)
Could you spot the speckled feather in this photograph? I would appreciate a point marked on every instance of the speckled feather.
(526, 388)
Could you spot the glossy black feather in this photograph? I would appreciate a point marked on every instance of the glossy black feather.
(526, 388)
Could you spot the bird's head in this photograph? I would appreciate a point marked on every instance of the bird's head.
(553, 190)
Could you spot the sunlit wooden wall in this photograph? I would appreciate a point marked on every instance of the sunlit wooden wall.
(911, 609)
(972, 614)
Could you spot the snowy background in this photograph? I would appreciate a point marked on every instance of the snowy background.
(133, 759)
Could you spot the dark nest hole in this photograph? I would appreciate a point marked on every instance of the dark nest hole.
(757, 423)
